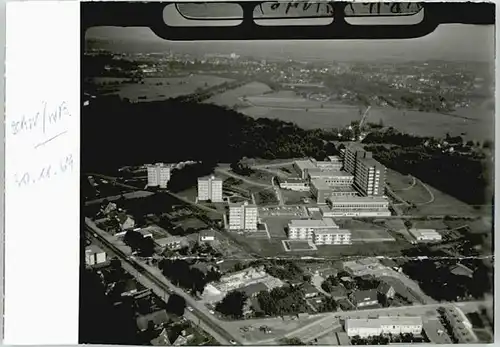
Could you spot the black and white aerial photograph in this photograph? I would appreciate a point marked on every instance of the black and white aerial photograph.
(287, 173)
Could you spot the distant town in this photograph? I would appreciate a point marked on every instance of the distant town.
(212, 220)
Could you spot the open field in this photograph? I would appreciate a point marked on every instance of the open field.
(473, 123)
(276, 226)
(274, 248)
(159, 88)
(373, 235)
(312, 118)
(293, 198)
(438, 203)
(398, 181)
(232, 97)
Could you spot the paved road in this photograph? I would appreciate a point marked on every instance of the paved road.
(305, 332)
(431, 199)
(162, 286)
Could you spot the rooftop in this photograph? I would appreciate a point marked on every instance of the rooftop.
(253, 288)
(365, 295)
(305, 164)
(384, 288)
(210, 177)
(334, 158)
(332, 231)
(93, 249)
(329, 173)
(424, 232)
(163, 165)
(360, 199)
(309, 288)
(313, 223)
(291, 180)
(169, 239)
(241, 204)
(382, 321)
(320, 183)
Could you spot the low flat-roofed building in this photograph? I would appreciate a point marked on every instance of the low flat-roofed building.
(332, 177)
(364, 298)
(253, 289)
(156, 318)
(332, 237)
(368, 327)
(425, 235)
(296, 184)
(207, 236)
(144, 232)
(172, 242)
(356, 206)
(302, 167)
(302, 229)
(460, 325)
(436, 332)
(94, 255)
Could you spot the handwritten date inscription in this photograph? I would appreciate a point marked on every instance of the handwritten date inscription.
(46, 172)
(319, 8)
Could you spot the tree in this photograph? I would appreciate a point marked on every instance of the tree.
(329, 305)
(293, 341)
(233, 304)
(176, 304)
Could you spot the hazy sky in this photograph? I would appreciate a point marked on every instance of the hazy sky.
(448, 42)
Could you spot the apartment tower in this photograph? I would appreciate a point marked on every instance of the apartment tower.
(243, 216)
(158, 175)
(210, 188)
(369, 174)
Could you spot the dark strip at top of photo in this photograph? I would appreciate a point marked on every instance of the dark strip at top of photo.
(250, 15)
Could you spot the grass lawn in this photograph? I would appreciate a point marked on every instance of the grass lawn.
(266, 197)
(293, 198)
(298, 245)
(276, 226)
(373, 235)
(397, 181)
(445, 204)
(430, 224)
(273, 247)
(190, 194)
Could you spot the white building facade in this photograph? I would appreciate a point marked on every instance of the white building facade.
(210, 188)
(384, 325)
(243, 216)
(425, 235)
(158, 175)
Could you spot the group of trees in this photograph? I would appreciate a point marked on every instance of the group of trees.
(284, 270)
(445, 171)
(145, 246)
(175, 131)
(281, 301)
(385, 339)
(187, 177)
(181, 274)
(241, 169)
(233, 304)
(437, 280)
(101, 322)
